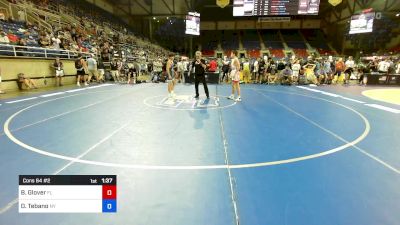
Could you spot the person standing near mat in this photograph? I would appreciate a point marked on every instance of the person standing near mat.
(1, 91)
(81, 68)
(59, 68)
(170, 76)
(235, 76)
(225, 69)
(200, 66)
(92, 68)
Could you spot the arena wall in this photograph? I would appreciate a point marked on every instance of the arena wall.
(37, 69)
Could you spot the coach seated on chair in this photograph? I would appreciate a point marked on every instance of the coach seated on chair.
(22, 79)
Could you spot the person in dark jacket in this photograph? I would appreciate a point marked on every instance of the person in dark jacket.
(200, 66)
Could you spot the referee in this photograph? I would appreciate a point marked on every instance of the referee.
(199, 66)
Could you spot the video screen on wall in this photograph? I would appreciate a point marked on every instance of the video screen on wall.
(193, 23)
(275, 7)
(362, 23)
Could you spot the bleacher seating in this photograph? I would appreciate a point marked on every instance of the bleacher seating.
(208, 53)
(300, 53)
(251, 40)
(395, 49)
(316, 39)
(229, 40)
(94, 27)
(271, 39)
(209, 40)
(293, 39)
(277, 53)
(253, 53)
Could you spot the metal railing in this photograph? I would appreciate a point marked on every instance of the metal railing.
(37, 52)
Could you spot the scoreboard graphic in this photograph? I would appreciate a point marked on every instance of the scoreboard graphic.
(67, 194)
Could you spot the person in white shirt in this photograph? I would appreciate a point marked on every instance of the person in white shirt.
(59, 68)
(92, 68)
(235, 76)
(180, 70)
(4, 38)
(398, 67)
(350, 64)
(255, 70)
(383, 66)
(56, 42)
(296, 71)
(185, 65)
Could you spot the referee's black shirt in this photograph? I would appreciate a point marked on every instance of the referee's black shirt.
(198, 68)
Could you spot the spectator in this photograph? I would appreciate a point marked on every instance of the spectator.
(281, 65)
(114, 70)
(339, 67)
(255, 70)
(59, 68)
(362, 80)
(81, 68)
(13, 38)
(44, 40)
(180, 69)
(309, 72)
(1, 90)
(92, 68)
(212, 66)
(296, 71)
(373, 65)
(383, 66)
(56, 42)
(4, 38)
(27, 81)
(261, 70)
(285, 76)
(185, 65)
(270, 76)
(246, 71)
(64, 44)
(100, 69)
(350, 65)
(132, 73)
(327, 71)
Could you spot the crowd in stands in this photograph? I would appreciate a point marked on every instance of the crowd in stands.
(95, 33)
(312, 70)
(98, 35)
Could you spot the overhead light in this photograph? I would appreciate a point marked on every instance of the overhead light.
(154, 18)
(398, 14)
(167, 17)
